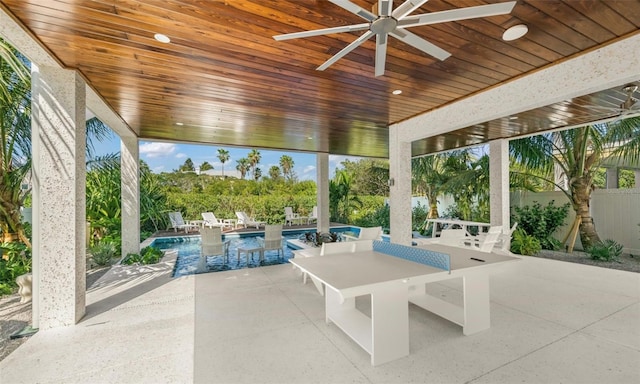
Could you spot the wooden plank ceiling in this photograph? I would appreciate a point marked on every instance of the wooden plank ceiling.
(224, 80)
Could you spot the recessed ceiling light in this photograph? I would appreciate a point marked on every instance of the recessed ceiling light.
(397, 92)
(309, 137)
(162, 38)
(513, 117)
(515, 32)
(179, 123)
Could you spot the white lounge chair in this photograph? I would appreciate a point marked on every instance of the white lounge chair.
(504, 241)
(291, 218)
(248, 221)
(212, 245)
(366, 233)
(273, 239)
(453, 237)
(484, 242)
(211, 221)
(314, 215)
(177, 222)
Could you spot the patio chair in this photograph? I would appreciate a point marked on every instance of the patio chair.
(273, 239)
(367, 233)
(485, 242)
(504, 240)
(248, 221)
(211, 221)
(212, 245)
(314, 215)
(177, 222)
(289, 217)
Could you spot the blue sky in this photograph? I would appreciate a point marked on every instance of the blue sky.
(166, 157)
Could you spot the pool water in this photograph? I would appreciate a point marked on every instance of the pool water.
(189, 254)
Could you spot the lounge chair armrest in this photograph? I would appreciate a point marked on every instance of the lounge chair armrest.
(349, 237)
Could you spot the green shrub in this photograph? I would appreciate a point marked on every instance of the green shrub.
(541, 222)
(419, 215)
(607, 250)
(103, 253)
(524, 244)
(147, 255)
(15, 261)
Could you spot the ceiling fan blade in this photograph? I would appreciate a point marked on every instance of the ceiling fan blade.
(365, 36)
(324, 31)
(381, 52)
(384, 7)
(420, 43)
(457, 14)
(356, 9)
(406, 8)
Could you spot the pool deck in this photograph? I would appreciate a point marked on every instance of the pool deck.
(551, 322)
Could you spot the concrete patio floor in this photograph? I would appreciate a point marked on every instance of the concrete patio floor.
(551, 322)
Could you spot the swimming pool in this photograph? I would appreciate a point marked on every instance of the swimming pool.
(188, 248)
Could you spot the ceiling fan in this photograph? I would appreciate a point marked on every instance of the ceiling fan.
(630, 106)
(394, 22)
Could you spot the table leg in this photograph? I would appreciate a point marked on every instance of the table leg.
(390, 325)
(477, 312)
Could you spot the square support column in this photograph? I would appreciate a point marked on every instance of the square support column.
(399, 187)
(322, 182)
(499, 182)
(59, 190)
(130, 194)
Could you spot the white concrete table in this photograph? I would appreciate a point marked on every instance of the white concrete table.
(392, 282)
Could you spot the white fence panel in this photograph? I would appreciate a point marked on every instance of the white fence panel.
(616, 214)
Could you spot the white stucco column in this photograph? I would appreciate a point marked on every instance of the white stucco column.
(612, 177)
(130, 194)
(400, 187)
(499, 182)
(59, 170)
(637, 178)
(322, 182)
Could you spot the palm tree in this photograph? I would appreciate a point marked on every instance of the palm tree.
(286, 163)
(274, 172)
(257, 174)
(429, 176)
(341, 199)
(254, 159)
(243, 166)
(579, 153)
(205, 166)
(223, 156)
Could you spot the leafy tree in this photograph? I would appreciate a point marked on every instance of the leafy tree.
(187, 166)
(287, 163)
(579, 153)
(429, 177)
(342, 200)
(370, 176)
(257, 174)
(243, 167)
(274, 172)
(254, 159)
(223, 156)
(206, 166)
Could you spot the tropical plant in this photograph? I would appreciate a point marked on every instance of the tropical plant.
(579, 153)
(15, 133)
(287, 163)
(341, 199)
(103, 253)
(254, 158)
(274, 172)
(187, 166)
(243, 167)
(607, 250)
(147, 255)
(205, 166)
(541, 223)
(524, 244)
(223, 156)
(15, 261)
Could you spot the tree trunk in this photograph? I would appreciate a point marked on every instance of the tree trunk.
(581, 197)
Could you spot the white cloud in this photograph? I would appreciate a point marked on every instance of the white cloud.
(308, 169)
(158, 169)
(152, 150)
(181, 155)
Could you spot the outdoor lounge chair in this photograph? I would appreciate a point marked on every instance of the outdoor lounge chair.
(212, 245)
(291, 218)
(211, 221)
(177, 222)
(366, 233)
(273, 239)
(248, 221)
(484, 242)
(454, 237)
(314, 215)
